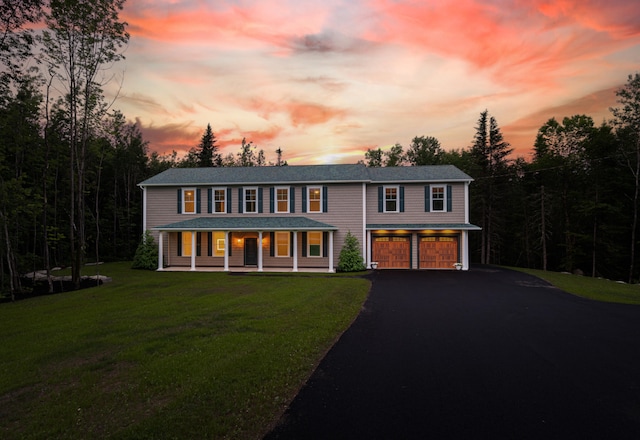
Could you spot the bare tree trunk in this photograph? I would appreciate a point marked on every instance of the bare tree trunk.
(14, 276)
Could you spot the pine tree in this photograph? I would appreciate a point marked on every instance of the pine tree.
(206, 152)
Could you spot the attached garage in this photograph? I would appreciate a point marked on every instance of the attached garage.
(392, 252)
(438, 252)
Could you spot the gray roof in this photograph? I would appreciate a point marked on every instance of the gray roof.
(305, 174)
(247, 224)
(424, 226)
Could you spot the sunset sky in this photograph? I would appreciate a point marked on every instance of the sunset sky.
(325, 80)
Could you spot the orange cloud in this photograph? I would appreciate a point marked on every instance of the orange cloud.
(305, 113)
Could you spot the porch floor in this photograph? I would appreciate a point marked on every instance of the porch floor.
(245, 269)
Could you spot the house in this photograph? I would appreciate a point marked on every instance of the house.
(297, 217)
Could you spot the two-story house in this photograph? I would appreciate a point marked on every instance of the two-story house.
(297, 217)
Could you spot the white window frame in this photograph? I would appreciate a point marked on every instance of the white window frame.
(309, 234)
(309, 191)
(245, 190)
(275, 202)
(218, 244)
(443, 199)
(184, 200)
(287, 234)
(224, 200)
(397, 199)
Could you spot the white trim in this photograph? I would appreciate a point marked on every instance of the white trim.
(321, 233)
(213, 199)
(226, 251)
(295, 251)
(144, 210)
(331, 269)
(244, 199)
(275, 237)
(319, 200)
(193, 250)
(184, 201)
(259, 251)
(275, 197)
(444, 198)
(466, 202)
(384, 198)
(365, 243)
(160, 255)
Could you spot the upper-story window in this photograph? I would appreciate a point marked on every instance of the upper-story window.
(282, 199)
(189, 201)
(219, 200)
(438, 193)
(391, 196)
(315, 199)
(250, 200)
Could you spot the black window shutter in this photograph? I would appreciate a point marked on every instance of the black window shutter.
(304, 244)
(209, 244)
(272, 202)
(291, 244)
(198, 244)
(402, 199)
(380, 199)
(449, 201)
(325, 199)
(240, 203)
(198, 201)
(292, 201)
(179, 200)
(179, 243)
(228, 200)
(230, 243)
(304, 199)
(260, 197)
(272, 244)
(325, 243)
(427, 198)
(209, 200)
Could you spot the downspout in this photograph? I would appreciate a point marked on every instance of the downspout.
(365, 242)
(144, 209)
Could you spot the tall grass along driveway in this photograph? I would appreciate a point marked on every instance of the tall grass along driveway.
(167, 355)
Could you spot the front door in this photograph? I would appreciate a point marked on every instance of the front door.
(250, 251)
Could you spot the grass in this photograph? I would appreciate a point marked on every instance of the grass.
(593, 288)
(167, 355)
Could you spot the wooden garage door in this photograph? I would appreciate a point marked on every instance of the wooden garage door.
(392, 252)
(438, 252)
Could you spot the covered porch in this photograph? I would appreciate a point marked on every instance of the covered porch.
(246, 244)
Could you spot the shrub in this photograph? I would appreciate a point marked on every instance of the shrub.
(350, 259)
(146, 256)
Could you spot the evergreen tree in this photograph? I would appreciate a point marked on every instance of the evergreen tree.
(350, 259)
(207, 151)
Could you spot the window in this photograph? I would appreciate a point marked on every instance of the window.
(437, 198)
(282, 199)
(315, 199)
(218, 244)
(282, 244)
(219, 200)
(390, 199)
(189, 201)
(314, 243)
(186, 244)
(251, 200)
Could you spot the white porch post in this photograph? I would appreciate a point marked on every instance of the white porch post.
(259, 251)
(193, 250)
(464, 247)
(368, 240)
(160, 251)
(331, 252)
(226, 251)
(295, 251)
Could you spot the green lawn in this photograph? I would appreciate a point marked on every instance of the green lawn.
(167, 355)
(592, 288)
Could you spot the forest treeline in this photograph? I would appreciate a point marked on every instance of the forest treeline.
(70, 163)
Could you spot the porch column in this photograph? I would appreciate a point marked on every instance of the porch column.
(259, 251)
(160, 262)
(331, 252)
(464, 249)
(226, 251)
(295, 251)
(193, 250)
(368, 240)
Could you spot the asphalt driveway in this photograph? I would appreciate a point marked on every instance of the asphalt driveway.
(483, 354)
